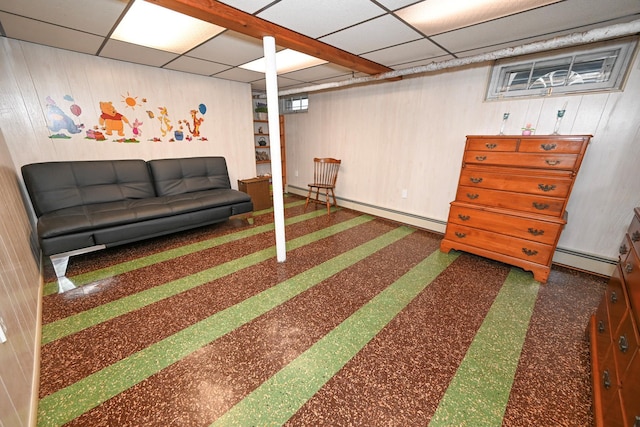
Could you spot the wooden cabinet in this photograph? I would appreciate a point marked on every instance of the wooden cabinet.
(512, 196)
(614, 339)
(258, 189)
(262, 142)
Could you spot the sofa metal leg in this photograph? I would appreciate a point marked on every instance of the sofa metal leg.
(60, 262)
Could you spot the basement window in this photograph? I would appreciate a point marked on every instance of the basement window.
(294, 104)
(596, 67)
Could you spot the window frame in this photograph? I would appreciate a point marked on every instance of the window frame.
(618, 73)
(287, 103)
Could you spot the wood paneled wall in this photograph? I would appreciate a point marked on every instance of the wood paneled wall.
(410, 135)
(19, 294)
(30, 73)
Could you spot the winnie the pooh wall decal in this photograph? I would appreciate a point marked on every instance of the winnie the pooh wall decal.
(59, 120)
(165, 123)
(111, 120)
(195, 121)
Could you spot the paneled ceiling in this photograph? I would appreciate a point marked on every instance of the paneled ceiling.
(357, 37)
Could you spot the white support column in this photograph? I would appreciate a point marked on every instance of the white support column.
(271, 75)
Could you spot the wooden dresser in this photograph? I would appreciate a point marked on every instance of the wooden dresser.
(511, 198)
(614, 338)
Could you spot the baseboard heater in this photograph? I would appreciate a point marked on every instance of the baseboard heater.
(573, 259)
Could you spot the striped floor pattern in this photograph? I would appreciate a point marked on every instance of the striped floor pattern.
(367, 323)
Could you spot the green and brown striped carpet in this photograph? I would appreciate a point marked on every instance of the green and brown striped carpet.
(367, 323)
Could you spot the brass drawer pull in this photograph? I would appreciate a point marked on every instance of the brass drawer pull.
(614, 297)
(623, 249)
(629, 267)
(623, 344)
(546, 187)
(529, 252)
(540, 206)
(464, 217)
(635, 236)
(473, 196)
(535, 231)
(491, 146)
(481, 158)
(606, 380)
(552, 162)
(475, 180)
(460, 235)
(548, 147)
(601, 326)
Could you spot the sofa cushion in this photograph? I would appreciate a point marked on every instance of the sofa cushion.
(188, 175)
(96, 216)
(59, 185)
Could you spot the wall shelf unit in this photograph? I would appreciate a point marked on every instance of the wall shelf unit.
(262, 143)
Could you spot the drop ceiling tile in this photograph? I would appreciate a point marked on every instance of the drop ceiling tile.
(318, 72)
(407, 52)
(338, 79)
(239, 75)
(248, 6)
(195, 66)
(229, 48)
(318, 18)
(438, 16)
(115, 49)
(372, 35)
(396, 4)
(283, 83)
(564, 16)
(94, 17)
(498, 47)
(33, 31)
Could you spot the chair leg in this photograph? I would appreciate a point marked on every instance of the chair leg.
(326, 195)
(307, 202)
(335, 202)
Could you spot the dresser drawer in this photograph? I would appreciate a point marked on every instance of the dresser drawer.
(631, 274)
(500, 243)
(606, 382)
(522, 227)
(630, 393)
(489, 177)
(616, 302)
(601, 335)
(550, 146)
(625, 248)
(542, 205)
(528, 160)
(634, 233)
(492, 144)
(625, 345)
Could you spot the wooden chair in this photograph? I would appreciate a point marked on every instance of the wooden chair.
(325, 174)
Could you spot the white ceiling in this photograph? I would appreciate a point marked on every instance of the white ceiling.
(373, 29)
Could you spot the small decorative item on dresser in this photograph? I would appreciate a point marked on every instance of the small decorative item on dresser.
(559, 117)
(528, 130)
(505, 116)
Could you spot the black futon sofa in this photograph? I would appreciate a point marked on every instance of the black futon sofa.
(83, 206)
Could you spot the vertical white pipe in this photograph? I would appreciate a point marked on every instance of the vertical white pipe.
(271, 75)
